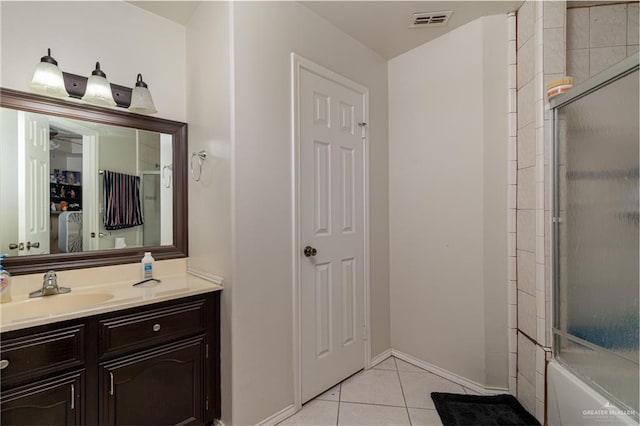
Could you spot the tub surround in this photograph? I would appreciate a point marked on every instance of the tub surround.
(541, 40)
(572, 402)
(552, 41)
(115, 281)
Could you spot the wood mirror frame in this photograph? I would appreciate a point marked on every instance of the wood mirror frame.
(30, 102)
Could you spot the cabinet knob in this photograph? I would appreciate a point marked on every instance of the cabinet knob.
(4, 364)
(156, 327)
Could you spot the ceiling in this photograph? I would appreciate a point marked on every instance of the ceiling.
(384, 25)
(176, 11)
(381, 25)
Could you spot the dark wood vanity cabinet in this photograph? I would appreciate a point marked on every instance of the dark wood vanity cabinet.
(154, 365)
(171, 378)
(55, 401)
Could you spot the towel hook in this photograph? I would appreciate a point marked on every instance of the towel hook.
(166, 183)
(202, 155)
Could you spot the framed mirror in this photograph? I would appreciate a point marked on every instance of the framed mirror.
(85, 186)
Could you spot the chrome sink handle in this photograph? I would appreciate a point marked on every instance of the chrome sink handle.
(49, 286)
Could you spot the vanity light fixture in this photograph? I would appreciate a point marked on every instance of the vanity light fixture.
(141, 101)
(98, 89)
(47, 78)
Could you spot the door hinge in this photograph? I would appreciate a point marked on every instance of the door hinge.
(362, 124)
(364, 333)
(206, 351)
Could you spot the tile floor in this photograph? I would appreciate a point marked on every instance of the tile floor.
(392, 393)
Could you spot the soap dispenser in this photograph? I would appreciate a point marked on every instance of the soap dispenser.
(5, 283)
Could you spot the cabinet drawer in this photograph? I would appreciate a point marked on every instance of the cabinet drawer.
(25, 358)
(136, 331)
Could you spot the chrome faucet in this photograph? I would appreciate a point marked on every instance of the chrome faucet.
(49, 286)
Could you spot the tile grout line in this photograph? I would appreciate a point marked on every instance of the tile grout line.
(378, 405)
(339, 402)
(402, 390)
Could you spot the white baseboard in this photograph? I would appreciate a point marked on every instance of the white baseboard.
(279, 416)
(496, 391)
(456, 378)
(380, 357)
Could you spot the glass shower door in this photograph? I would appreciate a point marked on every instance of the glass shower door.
(596, 322)
(151, 208)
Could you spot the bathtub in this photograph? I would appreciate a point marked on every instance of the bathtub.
(570, 402)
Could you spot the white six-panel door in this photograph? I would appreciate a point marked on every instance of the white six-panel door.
(331, 207)
(33, 178)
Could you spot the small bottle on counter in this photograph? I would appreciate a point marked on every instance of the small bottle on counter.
(147, 265)
(5, 283)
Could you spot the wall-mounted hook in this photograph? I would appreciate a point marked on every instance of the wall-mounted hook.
(201, 156)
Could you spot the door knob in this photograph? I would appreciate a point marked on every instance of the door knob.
(310, 251)
(34, 245)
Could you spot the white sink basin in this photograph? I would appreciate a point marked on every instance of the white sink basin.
(56, 304)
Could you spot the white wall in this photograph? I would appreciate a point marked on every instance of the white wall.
(265, 34)
(447, 197)
(495, 199)
(125, 39)
(209, 117)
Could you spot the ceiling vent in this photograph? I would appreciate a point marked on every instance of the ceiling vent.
(430, 19)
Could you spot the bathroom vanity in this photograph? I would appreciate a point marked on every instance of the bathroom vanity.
(156, 362)
(107, 352)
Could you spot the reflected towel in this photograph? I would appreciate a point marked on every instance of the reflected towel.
(122, 201)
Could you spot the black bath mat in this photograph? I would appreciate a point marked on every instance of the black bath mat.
(474, 410)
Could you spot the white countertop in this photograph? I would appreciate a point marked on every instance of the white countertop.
(85, 301)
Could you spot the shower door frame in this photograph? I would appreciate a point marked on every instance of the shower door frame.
(150, 173)
(623, 68)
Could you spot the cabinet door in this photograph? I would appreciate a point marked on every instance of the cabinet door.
(158, 387)
(56, 401)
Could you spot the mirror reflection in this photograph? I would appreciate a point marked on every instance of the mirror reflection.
(69, 186)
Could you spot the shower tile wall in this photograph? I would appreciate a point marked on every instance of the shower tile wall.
(525, 219)
(541, 57)
(512, 149)
(600, 36)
